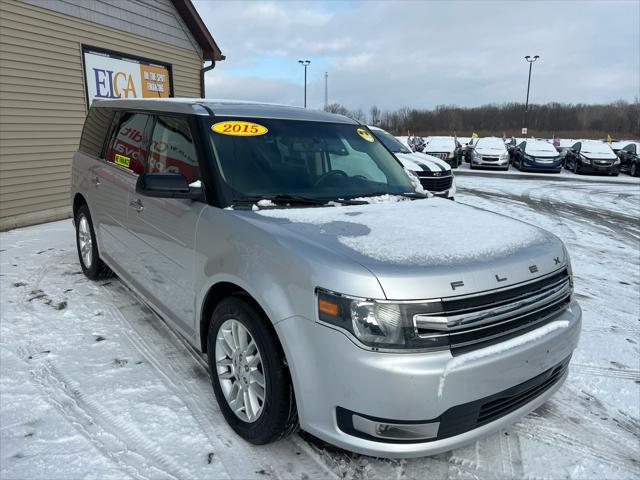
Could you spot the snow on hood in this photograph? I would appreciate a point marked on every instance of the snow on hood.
(490, 146)
(539, 148)
(417, 161)
(419, 233)
(598, 150)
(440, 144)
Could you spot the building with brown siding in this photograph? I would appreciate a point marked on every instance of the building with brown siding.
(46, 85)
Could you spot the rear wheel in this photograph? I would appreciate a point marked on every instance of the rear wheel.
(250, 379)
(92, 265)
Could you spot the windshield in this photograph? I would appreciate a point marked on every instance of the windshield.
(316, 160)
(391, 142)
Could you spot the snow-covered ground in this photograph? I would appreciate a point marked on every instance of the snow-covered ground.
(93, 385)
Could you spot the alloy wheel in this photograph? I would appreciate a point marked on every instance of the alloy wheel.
(85, 241)
(240, 370)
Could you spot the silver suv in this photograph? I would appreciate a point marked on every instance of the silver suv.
(293, 249)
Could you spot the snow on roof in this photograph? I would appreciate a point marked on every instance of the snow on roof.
(408, 232)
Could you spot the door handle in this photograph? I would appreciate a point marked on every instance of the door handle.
(96, 181)
(136, 205)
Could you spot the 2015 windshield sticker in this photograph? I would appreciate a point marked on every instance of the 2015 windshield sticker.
(239, 128)
(122, 160)
(366, 135)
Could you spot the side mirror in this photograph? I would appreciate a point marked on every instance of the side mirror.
(167, 185)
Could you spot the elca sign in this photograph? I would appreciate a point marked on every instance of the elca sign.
(110, 74)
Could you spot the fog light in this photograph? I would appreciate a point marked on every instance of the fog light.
(396, 431)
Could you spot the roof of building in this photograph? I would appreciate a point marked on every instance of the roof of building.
(224, 108)
(190, 16)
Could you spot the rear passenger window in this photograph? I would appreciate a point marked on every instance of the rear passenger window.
(172, 149)
(128, 145)
(96, 128)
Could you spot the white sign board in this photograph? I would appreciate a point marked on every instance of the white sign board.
(524, 131)
(113, 75)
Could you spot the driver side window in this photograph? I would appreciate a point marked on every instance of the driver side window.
(358, 164)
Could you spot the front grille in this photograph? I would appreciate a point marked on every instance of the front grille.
(435, 184)
(489, 159)
(440, 155)
(478, 321)
(605, 163)
(510, 402)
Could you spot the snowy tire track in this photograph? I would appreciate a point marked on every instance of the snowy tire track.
(113, 437)
(183, 371)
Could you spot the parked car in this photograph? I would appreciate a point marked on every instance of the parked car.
(490, 152)
(538, 155)
(629, 155)
(445, 148)
(592, 156)
(435, 175)
(327, 291)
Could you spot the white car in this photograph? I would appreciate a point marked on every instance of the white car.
(435, 175)
(490, 152)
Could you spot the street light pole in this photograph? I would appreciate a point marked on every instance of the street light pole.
(530, 60)
(326, 90)
(305, 64)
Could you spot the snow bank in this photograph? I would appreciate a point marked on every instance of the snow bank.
(407, 232)
(459, 361)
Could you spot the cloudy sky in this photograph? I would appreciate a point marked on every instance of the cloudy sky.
(425, 53)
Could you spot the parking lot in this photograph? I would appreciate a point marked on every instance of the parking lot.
(95, 385)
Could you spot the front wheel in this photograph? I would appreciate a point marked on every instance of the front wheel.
(634, 170)
(92, 265)
(250, 378)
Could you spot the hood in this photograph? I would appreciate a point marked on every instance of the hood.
(417, 162)
(490, 150)
(426, 248)
(600, 155)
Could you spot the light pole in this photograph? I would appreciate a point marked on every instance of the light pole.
(305, 64)
(530, 60)
(326, 90)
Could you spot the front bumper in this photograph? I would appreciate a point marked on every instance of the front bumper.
(332, 375)
(543, 167)
(490, 164)
(604, 169)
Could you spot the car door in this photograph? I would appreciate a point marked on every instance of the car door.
(163, 229)
(113, 179)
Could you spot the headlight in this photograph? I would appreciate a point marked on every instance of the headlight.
(585, 160)
(529, 158)
(617, 162)
(504, 156)
(477, 155)
(450, 155)
(381, 324)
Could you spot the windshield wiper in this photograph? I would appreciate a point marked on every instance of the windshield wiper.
(413, 195)
(282, 199)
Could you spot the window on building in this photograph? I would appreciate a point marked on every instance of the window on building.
(172, 148)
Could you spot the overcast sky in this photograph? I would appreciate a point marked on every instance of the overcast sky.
(425, 53)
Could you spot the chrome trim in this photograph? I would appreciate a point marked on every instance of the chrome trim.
(485, 325)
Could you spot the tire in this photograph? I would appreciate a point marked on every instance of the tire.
(577, 169)
(92, 265)
(259, 422)
(633, 171)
